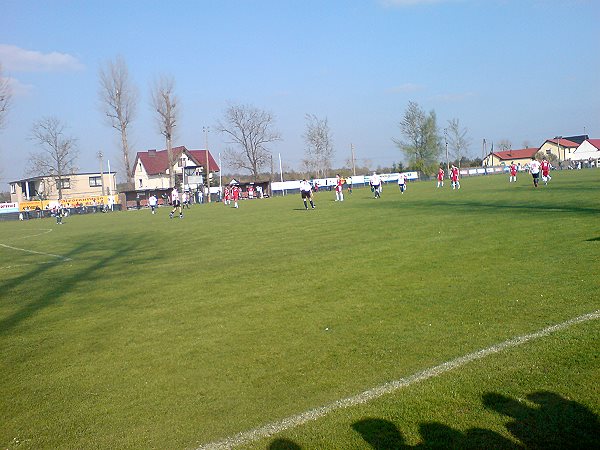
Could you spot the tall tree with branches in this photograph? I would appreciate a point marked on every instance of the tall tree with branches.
(319, 151)
(59, 152)
(250, 130)
(166, 106)
(5, 97)
(119, 99)
(458, 140)
(423, 144)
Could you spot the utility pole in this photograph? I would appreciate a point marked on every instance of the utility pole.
(353, 160)
(100, 155)
(447, 159)
(206, 131)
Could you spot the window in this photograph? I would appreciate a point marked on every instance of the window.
(65, 183)
(548, 151)
(95, 181)
(141, 184)
(13, 188)
(181, 162)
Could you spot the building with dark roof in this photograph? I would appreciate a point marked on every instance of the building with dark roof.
(152, 169)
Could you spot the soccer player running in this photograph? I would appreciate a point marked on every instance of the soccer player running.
(176, 204)
(534, 170)
(339, 188)
(513, 172)
(440, 178)
(152, 202)
(545, 167)
(376, 184)
(402, 182)
(454, 177)
(306, 193)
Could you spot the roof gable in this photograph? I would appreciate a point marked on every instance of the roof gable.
(563, 142)
(595, 143)
(516, 154)
(156, 162)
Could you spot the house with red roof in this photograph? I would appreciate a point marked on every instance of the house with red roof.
(153, 171)
(560, 147)
(506, 157)
(588, 150)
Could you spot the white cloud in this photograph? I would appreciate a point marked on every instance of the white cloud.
(19, 89)
(16, 59)
(405, 88)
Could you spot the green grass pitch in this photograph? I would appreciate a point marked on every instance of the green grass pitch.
(133, 331)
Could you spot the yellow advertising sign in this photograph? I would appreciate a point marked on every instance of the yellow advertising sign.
(68, 202)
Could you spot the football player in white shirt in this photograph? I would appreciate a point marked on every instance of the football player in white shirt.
(306, 193)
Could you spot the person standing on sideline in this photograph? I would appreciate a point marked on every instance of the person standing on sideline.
(227, 196)
(185, 200)
(339, 188)
(176, 203)
(513, 172)
(236, 195)
(153, 202)
(454, 177)
(402, 182)
(376, 184)
(306, 193)
(534, 170)
(545, 167)
(440, 177)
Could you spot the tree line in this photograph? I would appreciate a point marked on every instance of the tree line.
(249, 132)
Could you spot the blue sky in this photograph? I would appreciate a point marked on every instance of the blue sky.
(522, 70)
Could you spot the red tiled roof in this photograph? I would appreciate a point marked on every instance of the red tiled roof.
(563, 143)
(595, 143)
(157, 161)
(516, 154)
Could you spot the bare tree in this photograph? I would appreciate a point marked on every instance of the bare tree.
(458, 140)
(250, 130)
(504, 144)
(166, 105)
(319, 146)
(119, 100)
(59, 152)
(5, 97)
(423, 144)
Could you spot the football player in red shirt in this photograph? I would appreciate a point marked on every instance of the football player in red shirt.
(545, 166)
(513, 172)
(454, 177)
(440, 178)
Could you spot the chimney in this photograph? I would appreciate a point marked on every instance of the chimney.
(152, 153)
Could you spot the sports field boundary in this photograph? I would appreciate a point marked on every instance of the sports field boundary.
(274, 428)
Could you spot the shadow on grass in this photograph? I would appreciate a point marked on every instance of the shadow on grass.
(547, 421)
(495, 207)
(596, 239)
(45, 296)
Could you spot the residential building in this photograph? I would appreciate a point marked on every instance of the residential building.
(152, 169)
(589, 150)
(520, 157)
(74, 186)
(560, 147)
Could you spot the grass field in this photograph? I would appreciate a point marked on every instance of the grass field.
(133, 331)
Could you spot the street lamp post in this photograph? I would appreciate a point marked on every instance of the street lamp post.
(447, 159)
(558, 138)
(100, 156)
(206, 130)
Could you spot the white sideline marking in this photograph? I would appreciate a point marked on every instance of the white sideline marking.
(64, 258)
(44, 231)
(271, 429)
